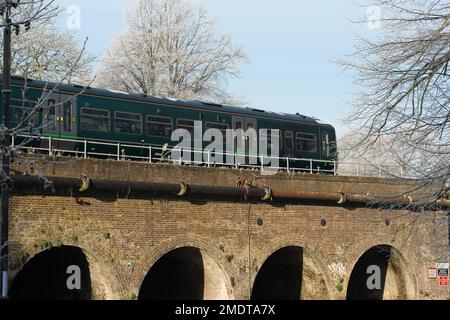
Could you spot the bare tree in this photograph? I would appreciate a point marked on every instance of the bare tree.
(385, 157)
(28, 11)
(378, 160)
(404, 91)
(401, 113)
(43, 53)
(169, 48)
(46, 52)
(16, 15)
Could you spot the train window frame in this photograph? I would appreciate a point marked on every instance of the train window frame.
(160, 117)
(186, 126)
(122, 118)
(95, 116)
(224, 131)
(27, 105)
(291, 137)
(49, 118)
(298, 133)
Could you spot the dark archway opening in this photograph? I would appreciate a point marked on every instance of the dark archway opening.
(280, 277)
(178, 275)
(45, 276)
(357, 286)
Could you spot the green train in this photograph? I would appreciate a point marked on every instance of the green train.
(76, 113)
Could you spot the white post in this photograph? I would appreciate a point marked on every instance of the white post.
(310, 166)
(118, 151)
(49, 146)
(334, 168)
(287, 164)
(262, 162)
(85, 149)
(150, 154)
(209, 158)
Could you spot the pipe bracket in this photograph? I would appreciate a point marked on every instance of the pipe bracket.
(267, 195)
(85, 182)
(409, 198)
(183, 189)
(343, 198)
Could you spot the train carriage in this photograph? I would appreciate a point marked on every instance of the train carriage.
(134, 123)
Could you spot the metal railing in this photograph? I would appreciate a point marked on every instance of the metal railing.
(83, 148)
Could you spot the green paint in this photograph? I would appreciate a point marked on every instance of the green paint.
(59, 136)
(246, 154)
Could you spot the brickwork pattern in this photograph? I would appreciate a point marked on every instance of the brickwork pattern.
(117, 233)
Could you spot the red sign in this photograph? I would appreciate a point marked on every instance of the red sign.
(443, 281)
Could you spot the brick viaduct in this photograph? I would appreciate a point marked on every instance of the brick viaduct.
(156, 247)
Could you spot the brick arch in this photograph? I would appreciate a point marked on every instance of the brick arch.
(104, 279)
(317, 255)
(212, 256)
(403, 266)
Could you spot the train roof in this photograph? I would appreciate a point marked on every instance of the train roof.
(245, 111)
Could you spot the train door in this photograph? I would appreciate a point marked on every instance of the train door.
(250, 143)
(60, 121)
(326, 152)
(250, 123)
(49, 115)
(238, 123)
(60, 116)
(67, 115)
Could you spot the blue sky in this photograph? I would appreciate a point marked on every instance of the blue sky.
(290, 44)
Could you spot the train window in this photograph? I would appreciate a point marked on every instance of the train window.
(305, 142)
(20, 110)
(186, 124)
(127, 122)
(215, 125)
(159, 126)
(289, 140)
(95, 119)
